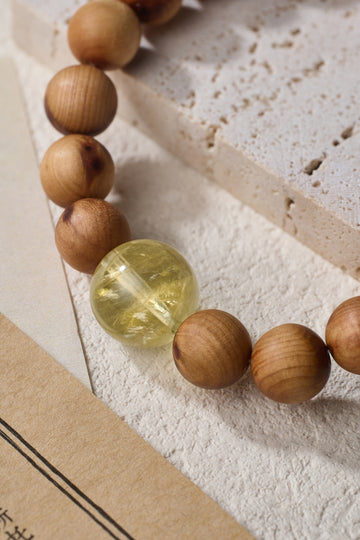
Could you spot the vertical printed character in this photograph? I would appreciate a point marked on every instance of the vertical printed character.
(18, 535)
(4, 518)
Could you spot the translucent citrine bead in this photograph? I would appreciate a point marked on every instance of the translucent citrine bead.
(142, 291)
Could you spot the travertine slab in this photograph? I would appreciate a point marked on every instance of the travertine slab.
(260, 96)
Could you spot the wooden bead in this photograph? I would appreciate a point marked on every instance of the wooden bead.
(76, 167)
(343, 335)
(87, 230)
(290, 364)
(80, 99)
(155, 11)
(105, 33)
(212, 349)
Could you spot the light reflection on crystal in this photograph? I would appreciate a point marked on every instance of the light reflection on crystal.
(142, 291)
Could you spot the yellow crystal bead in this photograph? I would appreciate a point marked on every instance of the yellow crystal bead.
(142, 291)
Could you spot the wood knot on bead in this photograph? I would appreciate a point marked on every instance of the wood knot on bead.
(87, 230)
(80, 99)
(76, 167)
(343, 335)
(212, 349)
(290, 364)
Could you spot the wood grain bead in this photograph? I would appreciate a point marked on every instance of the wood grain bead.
(290, 364)
(212, 349)
(155, 12)
(105, 33)
(343, 335)
(76, 167)
(80, 99)
(87, 230)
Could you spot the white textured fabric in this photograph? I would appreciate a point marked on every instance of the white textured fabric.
(285, 472)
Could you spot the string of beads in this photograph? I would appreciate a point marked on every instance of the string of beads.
(143, 292)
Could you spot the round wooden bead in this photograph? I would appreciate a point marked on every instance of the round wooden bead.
(155, 11)
(343, 335)
(105, 33)
(76, 167)
(87, 230)
(290, 364)
(212, 349)
(80, 99)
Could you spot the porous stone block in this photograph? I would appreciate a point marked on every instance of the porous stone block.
(260, 96)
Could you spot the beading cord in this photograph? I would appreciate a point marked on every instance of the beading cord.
(144, 292)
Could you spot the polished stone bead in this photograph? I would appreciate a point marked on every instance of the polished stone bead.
(142, 291)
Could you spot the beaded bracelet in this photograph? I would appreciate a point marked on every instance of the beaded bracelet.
(143, 292)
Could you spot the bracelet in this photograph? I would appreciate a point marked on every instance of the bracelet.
(143, 292)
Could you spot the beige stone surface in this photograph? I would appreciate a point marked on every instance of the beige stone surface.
(260, 96)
